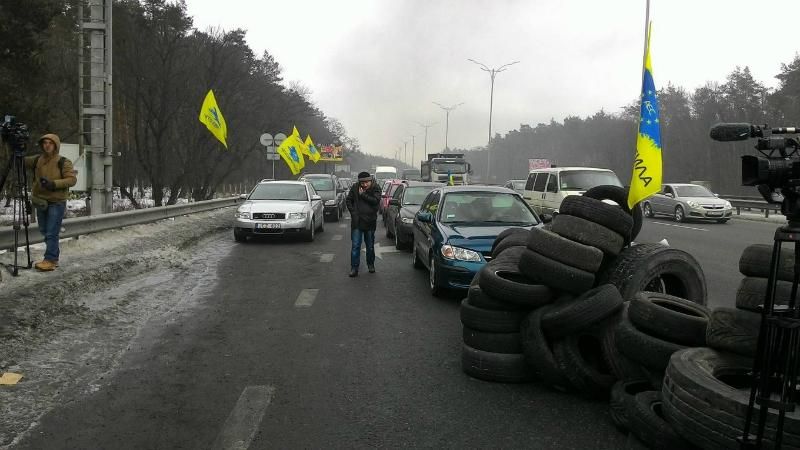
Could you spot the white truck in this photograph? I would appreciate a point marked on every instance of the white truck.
(383, 173)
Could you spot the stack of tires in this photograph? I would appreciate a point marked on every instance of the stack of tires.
(706, 390)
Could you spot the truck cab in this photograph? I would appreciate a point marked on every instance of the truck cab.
(446, 167)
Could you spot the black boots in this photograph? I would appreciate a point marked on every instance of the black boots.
(353, 273)
(371, 268)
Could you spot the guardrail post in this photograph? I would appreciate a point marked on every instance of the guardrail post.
(738, 211)
(766, 212)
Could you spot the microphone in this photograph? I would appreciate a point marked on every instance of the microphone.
(734, 132)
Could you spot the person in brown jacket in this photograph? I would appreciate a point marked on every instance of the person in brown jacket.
(53, 175)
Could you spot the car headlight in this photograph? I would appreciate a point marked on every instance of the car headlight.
(728, 205)
(407, 220)
(300, 215)
(693, 204)
(330, 202)
(460, 254)
(243, 213)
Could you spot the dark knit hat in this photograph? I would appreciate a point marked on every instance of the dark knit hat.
(364, 176)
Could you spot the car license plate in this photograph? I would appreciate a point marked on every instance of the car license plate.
(714, 213)
(268, 226)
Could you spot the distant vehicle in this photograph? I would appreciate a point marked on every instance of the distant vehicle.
(411, 175)
(332, 193)
(545, 189)
(388, 189)
(455, 227)
(441, 167)
(515, 185)
(403, 205)
(683, 201)
(346, 183)
(383, 173)
(279, 207)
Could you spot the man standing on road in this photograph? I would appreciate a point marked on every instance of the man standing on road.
(362, 202)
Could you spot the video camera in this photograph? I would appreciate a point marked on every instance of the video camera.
(776, 174)
(16, 134)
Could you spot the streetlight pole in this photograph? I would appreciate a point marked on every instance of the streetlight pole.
(426, 126)
(492, 73)
(413, 149)
(405, 152)
(447, 110)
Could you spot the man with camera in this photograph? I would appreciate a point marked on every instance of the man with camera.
(53, 175)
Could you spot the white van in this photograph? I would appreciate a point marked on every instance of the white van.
(383, 173)
(546, 188)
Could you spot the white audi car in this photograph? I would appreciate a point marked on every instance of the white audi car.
(280, 207)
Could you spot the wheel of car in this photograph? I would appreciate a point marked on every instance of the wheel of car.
(679, 214)
(397, 243)
(648, 210)
(338, 215)
(722, 220)
(388, 229)
(433, 279)
(309, 234)
(321, 226)
(415, 261)
(238, 236)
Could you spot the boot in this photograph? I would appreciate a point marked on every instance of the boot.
(371, 268)
(353, 273)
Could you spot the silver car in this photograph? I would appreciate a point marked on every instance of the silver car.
(280, 207)
(687, 201)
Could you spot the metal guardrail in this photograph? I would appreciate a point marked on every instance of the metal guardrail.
(749, 205)
(92, 224)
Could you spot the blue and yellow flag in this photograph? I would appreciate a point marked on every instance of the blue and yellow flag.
(647, 166)
(292, 153)
(211, 116)
(311, 149)
(450, 180)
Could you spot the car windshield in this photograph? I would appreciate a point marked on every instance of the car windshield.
(518, 185)
(693, 191)
(321, 184)
(415, 195)
(279, 191)
(385, 175)
(454, 167)
(583, 180)
(486, 207)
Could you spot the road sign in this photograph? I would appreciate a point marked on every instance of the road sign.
(266, 140)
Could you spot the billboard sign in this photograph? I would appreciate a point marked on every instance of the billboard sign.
(534, 164)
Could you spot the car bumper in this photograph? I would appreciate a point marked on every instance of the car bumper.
(289, 226)
(330, 210)
(702, 213)
(458, 274)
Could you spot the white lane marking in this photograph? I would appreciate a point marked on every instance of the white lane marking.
(243, 422)
(342, 225)
(306, 298)
(679, 226)
(326, 257)
(337, 237)
(379, 251)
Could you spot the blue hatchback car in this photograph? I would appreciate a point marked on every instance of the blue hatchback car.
(455, 227)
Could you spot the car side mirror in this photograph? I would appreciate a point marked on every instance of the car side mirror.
(425, 217)
(316, 198)
(716, 195)
(669, 195)
(546, 218)
(243, 196)
(394, 202)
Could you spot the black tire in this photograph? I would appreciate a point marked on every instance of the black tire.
(511, 286)
(509, 257)
(492, 342)
(621, 393)
(564, 250)
(554, 274)
(734, 330)
(752, 293)
(435, 286)
(539, 353)
(612, 217)
(651, 352)
(706, 395)
(621, 366)
(656, 268)
(505, 233)
(588, 233)
(755, 262)
(592, 307)
(499, 367)
(492, 321)
(670, 318)
(619, 196)
(239, 236)
(321, 228)
(415, 261)
(309, 234)
(581, 360)
(476, 297)
(723, 220)
(337, 217)
(647, 210)
(679, 215)
(646, 417)
(512, 240)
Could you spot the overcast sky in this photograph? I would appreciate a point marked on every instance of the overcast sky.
(377, 65)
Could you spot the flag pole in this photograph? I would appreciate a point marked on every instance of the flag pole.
(646, 37)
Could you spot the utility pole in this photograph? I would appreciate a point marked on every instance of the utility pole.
(413, 149)
(426, 126)
(492, 73)
(405, 152)
(447, 110)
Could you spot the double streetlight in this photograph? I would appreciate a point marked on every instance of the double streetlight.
(492, 73)
(447, 110)
(426, 126)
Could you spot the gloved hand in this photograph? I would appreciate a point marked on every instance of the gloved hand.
(47, 184)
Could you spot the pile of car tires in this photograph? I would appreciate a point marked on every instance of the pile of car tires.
(573, 307)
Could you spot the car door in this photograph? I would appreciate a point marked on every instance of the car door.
(423, 231)
(393, 211)
(551, 199)
(527, 194)
(668, 200)
(538, 194)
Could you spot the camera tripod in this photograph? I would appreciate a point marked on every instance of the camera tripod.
(777, 359)
(21, 206)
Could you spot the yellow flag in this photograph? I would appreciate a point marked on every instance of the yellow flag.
(211, 116)
(311, 150)
(298, 141)
(292, 154)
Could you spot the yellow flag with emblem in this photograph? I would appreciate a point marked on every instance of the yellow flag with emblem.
(211, 116)
(292, 153)
(311, 149)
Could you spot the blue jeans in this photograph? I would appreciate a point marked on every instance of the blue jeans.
(369, 241)
(50, 226)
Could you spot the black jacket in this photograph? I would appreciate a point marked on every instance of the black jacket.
(364, 207)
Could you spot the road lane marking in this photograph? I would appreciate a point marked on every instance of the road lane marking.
(337, 237)
(242, 424)
(679, 226)
(379, 250)
(306, 298)
(326, 257)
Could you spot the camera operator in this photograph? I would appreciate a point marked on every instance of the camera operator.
(53, 175)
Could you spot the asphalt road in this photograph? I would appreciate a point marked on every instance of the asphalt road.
(288, 352)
